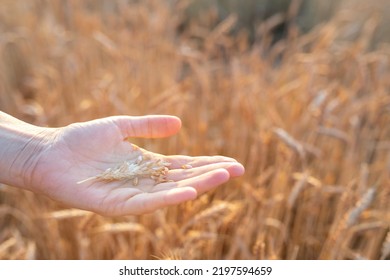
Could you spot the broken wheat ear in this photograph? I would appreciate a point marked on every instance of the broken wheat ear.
(143, 166)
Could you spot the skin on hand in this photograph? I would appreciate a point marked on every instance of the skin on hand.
(78, 151)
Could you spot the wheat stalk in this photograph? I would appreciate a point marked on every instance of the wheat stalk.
(386, 247)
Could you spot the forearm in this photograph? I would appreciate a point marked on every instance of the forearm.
(20, 145)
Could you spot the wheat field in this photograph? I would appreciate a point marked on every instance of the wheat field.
(307, 115)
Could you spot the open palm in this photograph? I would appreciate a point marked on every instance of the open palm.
(84, 150)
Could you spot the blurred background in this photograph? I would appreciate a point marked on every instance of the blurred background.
(297, 91)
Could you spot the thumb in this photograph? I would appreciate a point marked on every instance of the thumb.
(152, 126)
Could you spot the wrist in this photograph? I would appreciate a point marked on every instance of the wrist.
(21, 145)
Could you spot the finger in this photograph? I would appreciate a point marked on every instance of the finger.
(201, 183)
(235, 169)
(153, 126)
(207, 181)
(179, 161)
(148, 202)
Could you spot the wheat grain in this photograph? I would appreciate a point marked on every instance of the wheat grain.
(290, 141)
(209, 213)
(144, 166)
(334, 132)
(186, 166)
(195, 235)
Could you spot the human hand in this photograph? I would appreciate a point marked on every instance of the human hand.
(83, 150)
